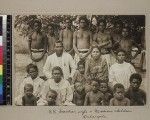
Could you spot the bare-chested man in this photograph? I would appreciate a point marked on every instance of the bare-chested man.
(82, 40)
(116, 33)
(104, 42)
(51, 39)
(38, 46)
(66, 36)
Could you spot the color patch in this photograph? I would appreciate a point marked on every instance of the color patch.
(1, 79)
(1, 89)
(1, 41)
(1, 99)
(1, 55)
(1, 69)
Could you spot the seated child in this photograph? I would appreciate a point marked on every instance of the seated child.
(94, 97)
(119, 99)
(87, 86)
(29, 99)
(79, 75)
(79, 94)
(107, 93)
(134, 93)
(50, 100)
(34, 79)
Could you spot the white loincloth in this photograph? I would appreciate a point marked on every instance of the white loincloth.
(41, 63)
(82, 52)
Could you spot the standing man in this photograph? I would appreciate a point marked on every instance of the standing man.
(51, 39)
(66, 36)
(38, 46)
(104, 42)
(82, 40)
(62, 59)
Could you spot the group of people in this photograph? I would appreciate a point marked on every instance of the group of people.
(81, 67)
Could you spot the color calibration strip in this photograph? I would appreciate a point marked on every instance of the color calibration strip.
(5, 59)
(1, 62)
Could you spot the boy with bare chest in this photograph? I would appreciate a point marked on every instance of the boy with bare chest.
(38, 46)
(103, 39)
(79, 94)
(82, 40)
(66, 36)
(95, 97)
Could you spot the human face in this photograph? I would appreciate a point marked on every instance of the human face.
(125, 32)
(118, 27)
(51, 98)
(101, 26)
(37, 27)
(95, 86)
(57, 76)
(81, 69)
(95, 53)
(68, 23)
(132, 26)
(82, 23)
(103, 87)
(135, 84)
(121, 57)
(28, 91)
(58, 49)
(119, 94)
(33, 73)
(79, 87)
(50, 29)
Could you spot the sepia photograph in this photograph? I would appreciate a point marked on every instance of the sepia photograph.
(80, 60)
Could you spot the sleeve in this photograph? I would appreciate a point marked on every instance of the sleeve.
(69, 94)
(132, 69)
(72, 66)
(86, 102)
(44, 90)
(112, 79)
(46, 68)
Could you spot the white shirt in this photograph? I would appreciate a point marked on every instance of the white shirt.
(37, 87)
(63, 88)
(65, 62)
(120, 73)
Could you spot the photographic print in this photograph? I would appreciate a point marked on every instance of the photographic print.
(79, 60)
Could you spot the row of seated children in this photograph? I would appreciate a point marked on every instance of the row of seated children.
(99, 95)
